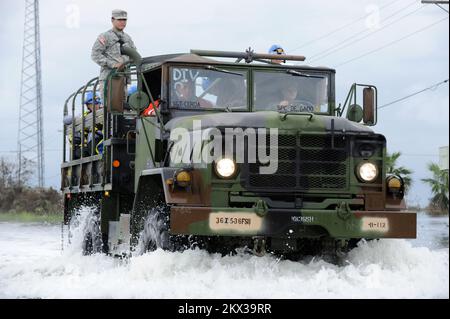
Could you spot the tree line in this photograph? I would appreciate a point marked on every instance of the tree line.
(17, 196)
(438, 203)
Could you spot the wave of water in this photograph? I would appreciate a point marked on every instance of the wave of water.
(33, 266)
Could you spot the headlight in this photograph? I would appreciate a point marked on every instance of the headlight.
(367, 172)
(225, 168)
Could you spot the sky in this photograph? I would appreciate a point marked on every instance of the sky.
(401, 46)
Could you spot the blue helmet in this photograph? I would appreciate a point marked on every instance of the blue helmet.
(90, 99)
(276, 49)
(132, 89)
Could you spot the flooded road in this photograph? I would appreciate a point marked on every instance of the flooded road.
(32, 265)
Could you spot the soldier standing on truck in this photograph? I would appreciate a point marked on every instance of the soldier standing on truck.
(106, 50)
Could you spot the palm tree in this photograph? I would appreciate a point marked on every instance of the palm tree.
(439, 187)
(403, 172)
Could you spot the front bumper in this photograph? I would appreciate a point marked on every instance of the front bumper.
(293, 223)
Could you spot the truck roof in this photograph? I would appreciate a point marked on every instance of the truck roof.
(188, 58)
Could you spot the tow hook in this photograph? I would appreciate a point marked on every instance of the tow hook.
(343, 211)
(259, 246)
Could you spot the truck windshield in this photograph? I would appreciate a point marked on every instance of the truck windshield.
(208, 88)
(290, 91)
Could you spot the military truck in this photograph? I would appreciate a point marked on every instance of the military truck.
(236, 151)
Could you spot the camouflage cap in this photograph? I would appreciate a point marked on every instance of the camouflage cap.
(119, 14)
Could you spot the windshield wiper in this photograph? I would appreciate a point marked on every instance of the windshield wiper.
(210, 67)
(297, 73)
(231, 108)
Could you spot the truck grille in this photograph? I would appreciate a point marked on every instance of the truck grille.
(306, 162)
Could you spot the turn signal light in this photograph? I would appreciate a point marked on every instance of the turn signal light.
(394, 183)
(183, 178)
(395, 186)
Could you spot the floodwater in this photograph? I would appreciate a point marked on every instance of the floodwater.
(33, 265)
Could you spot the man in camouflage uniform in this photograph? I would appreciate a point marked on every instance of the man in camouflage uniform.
(106, 49)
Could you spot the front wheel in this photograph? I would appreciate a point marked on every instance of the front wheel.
(156, 230)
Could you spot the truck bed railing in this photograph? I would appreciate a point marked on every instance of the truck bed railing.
(78, 125)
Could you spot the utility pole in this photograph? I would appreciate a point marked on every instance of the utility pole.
(30, 135)
(438, 3)
(443, 158)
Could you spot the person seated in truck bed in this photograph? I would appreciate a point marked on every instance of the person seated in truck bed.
(86, 138)
(96, 138)
(92, 103)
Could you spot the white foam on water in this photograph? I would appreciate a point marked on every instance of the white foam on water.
(33, 266)
(78, 226)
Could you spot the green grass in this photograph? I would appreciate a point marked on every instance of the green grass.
(31, 218)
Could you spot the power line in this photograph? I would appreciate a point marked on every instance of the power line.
(391, 43)
(421, 155)
(411, 95)
(342, 44)
(361, 32)
(339, 29)
(54, 176)
(50, 150)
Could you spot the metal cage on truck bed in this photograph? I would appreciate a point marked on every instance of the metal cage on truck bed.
(84, 167)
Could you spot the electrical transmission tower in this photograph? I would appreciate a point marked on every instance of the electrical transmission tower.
(438, 3)
(30, 136)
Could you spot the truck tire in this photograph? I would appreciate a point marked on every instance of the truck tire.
(156, 229)
(150, 220)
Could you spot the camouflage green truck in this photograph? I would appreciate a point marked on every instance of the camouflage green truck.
(234, 153)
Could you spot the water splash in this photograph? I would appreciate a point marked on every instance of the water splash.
(31, 266)
(153, 232)
(83, 222)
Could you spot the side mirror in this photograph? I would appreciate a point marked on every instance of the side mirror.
(355, 113)
(369, 103)
(139, 101)
(116, 95)
(368, 113)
